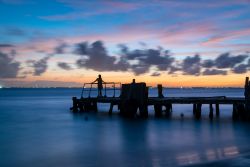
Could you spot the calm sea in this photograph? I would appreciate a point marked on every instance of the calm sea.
(37, 129)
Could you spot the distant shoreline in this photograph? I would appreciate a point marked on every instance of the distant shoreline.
(116, 88)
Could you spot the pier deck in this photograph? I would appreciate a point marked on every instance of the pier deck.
(134, 96)
(173, 100)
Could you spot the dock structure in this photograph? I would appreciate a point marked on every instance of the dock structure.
(134, 97)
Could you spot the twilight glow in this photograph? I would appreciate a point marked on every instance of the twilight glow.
(172, 42)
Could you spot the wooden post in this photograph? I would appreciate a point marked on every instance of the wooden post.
(111, 108)
(80, 106)
(211, 113)
(75, 107)
(217, 108)
(158, 110)
(198, 111)
(235, 112)
(158, 107)
(143, 110)
(94, 106)
(194, 108)
(242, 111)
(247, 98)
(168, 109)
(246, 85)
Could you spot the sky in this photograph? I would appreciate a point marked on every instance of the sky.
(188, 43)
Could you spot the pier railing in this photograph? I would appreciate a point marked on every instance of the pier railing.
(107, 86)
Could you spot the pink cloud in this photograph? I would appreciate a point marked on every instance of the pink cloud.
(188, 36)
(202, 4)
(227, 36)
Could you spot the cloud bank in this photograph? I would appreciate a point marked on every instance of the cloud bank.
(8, 66)
(152, 61)
(139, 61)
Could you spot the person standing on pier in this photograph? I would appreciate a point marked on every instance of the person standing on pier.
(99, 82)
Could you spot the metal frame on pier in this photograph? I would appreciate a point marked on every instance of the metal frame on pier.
(114, 87)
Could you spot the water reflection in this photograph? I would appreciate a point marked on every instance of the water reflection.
(42, 132)
(162, 142)
(188, 158)
(208, 156)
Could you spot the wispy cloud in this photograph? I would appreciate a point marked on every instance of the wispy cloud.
(224, 36)
(88, 9)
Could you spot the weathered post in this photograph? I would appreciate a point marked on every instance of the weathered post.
(194, 109)
(246, 86)
(158, 110)
(90, 105)
(217, 108)
(247, 98)
(242, 111)
(158, 107)
(235, 114)
(198, 111)
(211, 113)
(111, 108)
(94, 105)
(75, 106)
(80, 106)
(169, 109)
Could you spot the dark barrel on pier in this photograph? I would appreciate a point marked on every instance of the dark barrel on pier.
(133, 97)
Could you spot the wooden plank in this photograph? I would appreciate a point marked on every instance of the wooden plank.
(174, 100)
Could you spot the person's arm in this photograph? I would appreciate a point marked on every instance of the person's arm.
(94, 81)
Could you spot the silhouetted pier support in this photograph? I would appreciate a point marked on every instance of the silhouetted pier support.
(74, 108)
(81, 107)
(111, 108)
(158, 107)
(247, 98)
(133, 97)
(194, 108)
(198, 111)
(211, 113)
(236, 112)
(242, 110)
(90, 105)
(217, 110)
(112, 104)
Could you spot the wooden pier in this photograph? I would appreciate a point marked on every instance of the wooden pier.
(134, 96)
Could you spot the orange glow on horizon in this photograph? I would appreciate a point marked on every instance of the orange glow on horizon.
(230, 80)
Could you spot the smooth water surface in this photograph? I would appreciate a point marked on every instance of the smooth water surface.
(37, 129)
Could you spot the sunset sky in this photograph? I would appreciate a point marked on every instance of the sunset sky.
(170, 42)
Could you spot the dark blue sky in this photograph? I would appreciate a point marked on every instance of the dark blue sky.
(37, 29)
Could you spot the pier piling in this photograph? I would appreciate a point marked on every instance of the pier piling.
(211, 113)
(198, 111)
(217, 110)
(75, 104)
(194, 109)
(247, 98)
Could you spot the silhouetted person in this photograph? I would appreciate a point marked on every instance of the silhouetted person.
(99, 85)
(132, 89)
